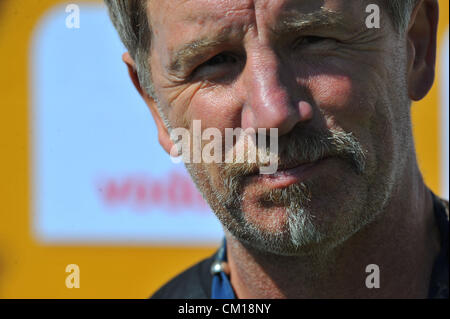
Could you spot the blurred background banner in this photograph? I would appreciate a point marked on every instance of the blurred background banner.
(99, 174)
(84, 179)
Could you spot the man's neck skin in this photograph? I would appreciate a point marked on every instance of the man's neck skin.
(403, 242)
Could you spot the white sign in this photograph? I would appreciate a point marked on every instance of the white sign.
(99, 173)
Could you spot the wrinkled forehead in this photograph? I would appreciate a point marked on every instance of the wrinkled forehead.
(182, 27)
(196, 17)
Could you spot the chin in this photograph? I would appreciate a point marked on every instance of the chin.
(311, 226)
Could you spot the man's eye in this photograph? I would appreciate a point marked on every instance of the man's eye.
(217, 66)
(220, 59)
(309, 40)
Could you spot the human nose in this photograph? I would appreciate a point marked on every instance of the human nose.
(272, 98)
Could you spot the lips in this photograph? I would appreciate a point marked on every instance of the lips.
(289, 170)
(286, 167)
(289, 174)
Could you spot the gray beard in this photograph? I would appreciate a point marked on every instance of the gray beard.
(301, 235)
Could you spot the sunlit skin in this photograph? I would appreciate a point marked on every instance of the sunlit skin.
(340, 75)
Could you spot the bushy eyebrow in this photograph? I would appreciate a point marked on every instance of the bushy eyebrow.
(298, 22)
(293, 21)
(190, 53)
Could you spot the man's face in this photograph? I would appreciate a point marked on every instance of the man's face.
(334, 88)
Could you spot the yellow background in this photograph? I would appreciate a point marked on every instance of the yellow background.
(29, 270)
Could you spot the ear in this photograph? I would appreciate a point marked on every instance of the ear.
(163, 134)
(422, 34)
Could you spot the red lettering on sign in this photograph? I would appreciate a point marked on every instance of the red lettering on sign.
(173, 193)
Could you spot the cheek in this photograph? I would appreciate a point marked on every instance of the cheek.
(339, 87)
(216, 107)
(350, 103)
(343, 99)
(177, 101)
(332, 91)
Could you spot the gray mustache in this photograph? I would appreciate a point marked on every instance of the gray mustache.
(300, 147)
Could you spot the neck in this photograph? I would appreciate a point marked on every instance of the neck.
(403, 242)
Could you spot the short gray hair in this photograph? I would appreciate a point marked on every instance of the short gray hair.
(400, 11)
(130, 19)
